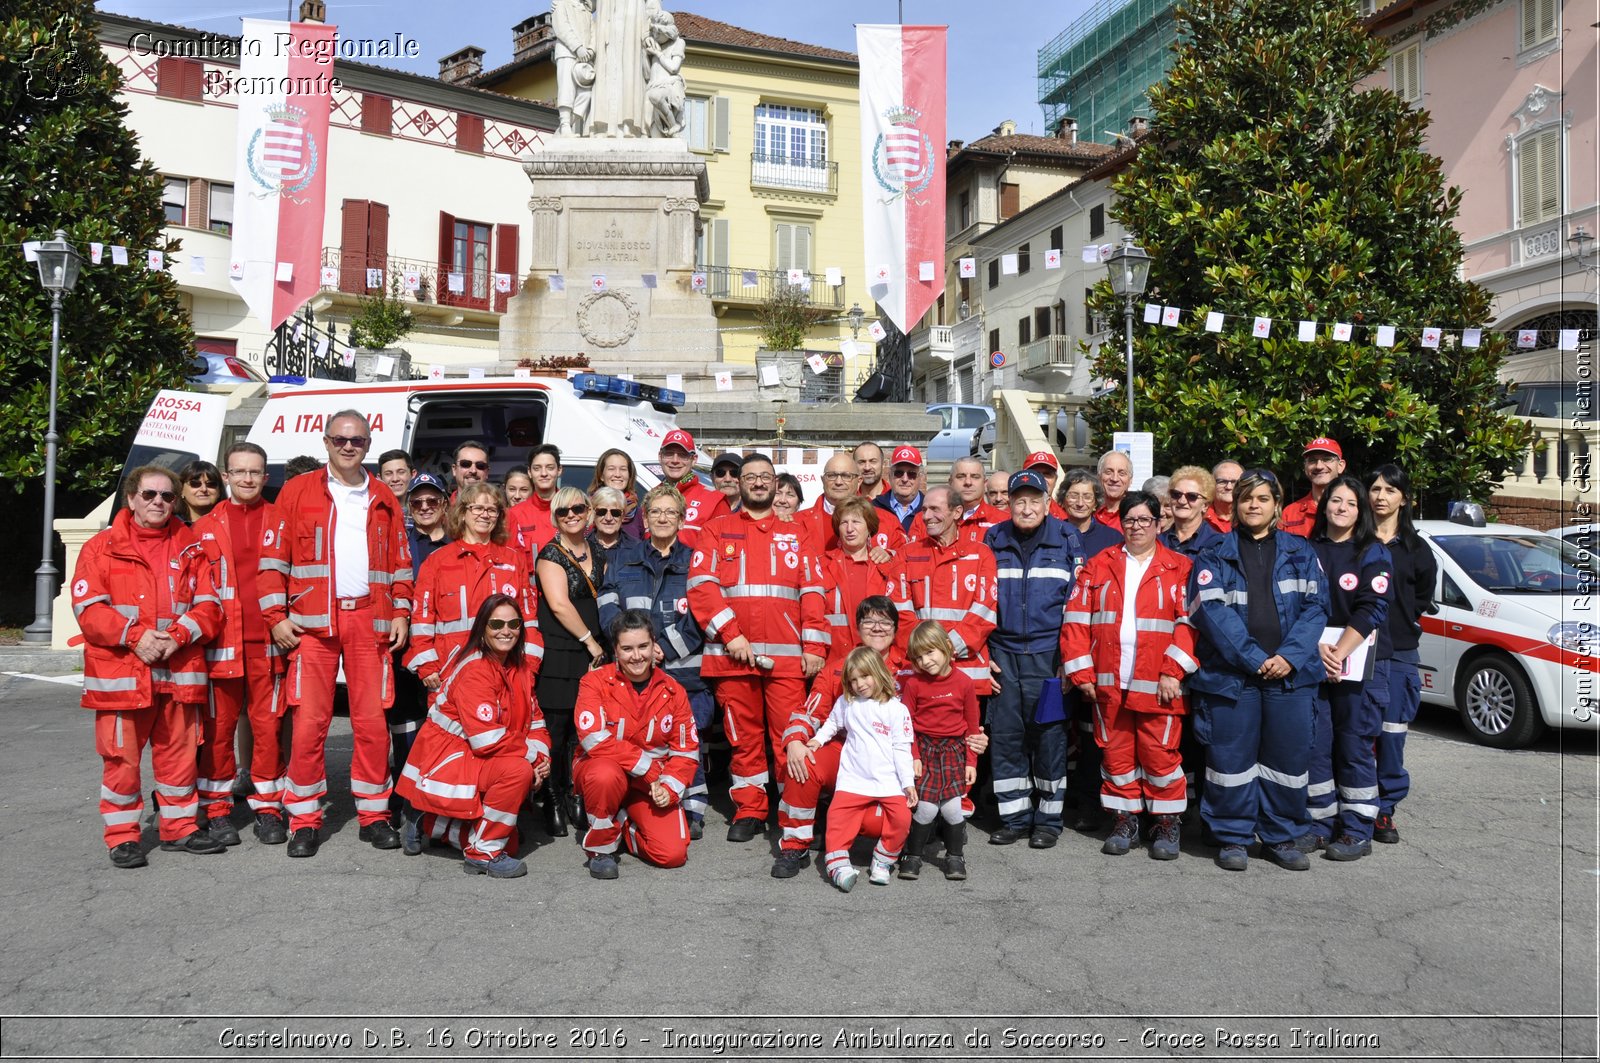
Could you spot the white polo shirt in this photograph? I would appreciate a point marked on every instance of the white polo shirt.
(349, 555)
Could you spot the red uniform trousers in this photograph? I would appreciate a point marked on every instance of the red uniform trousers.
(313, 671)
(171, 729)
(797, 807)
(849, 813)
(503, 785)
(746, 701)
(249, 696)
(1141, 767)
(619, 807)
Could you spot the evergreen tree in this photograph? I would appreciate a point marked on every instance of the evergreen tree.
(1274, 184)
(67, 161)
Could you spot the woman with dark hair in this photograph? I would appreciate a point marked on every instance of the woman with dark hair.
(849, 575)
(615, 469)
(1414, 574)
(1258, 602)
(200, 487)
(1343, 779)
(483, 748)
(788, 496)
(1081, 498)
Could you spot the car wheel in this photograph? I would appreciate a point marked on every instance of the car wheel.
(1496, 703)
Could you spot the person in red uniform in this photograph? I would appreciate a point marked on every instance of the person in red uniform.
(637, 753)
(851, 573)
(1048, 466)
(336, 587)
(839, 479)
(701, 504)
(975, 516)
(146, 602)
(753, 586)
(869, 461)
(904, 497)
(1126, 644)
(1115, 469)
(529, 522)
(1220, 513)
(243, 661)
(948, 578)
(1324, 463)
(482, 749)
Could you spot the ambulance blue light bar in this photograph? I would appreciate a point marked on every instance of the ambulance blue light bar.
(602, 386)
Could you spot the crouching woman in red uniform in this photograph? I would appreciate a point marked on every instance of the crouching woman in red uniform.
(637, 753)
(481, 750)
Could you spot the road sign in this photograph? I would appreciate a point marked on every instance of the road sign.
(998, 359)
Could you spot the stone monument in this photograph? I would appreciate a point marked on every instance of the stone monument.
(616, 204)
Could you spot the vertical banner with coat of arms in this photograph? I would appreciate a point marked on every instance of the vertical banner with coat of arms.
(902, 170)
(281, 164)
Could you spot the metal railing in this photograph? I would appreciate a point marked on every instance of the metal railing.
(732, 284)
(1050, 352)
(301, 347)
(433, 280)
(802, 173)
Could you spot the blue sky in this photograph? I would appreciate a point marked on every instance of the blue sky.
(993, 48)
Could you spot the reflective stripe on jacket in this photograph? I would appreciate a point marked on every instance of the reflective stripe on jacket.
(1091, 640)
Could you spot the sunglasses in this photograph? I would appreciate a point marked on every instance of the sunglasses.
(608, 513)
(907, 474)
(199, 481)
(426, 503)
(357, 442)
(481, 466)
(150, 495)
(1190, 497)
(515, 624)
(578, 510)
(725, 473)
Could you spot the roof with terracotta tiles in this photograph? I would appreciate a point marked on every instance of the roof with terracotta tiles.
(709, 31)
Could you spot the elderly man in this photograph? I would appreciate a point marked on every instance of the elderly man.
(996, 490)
(1220, 513)
(1037, 558)
(336, 589)
(905, 487)
(1115, 470)
(144, 596)
(1324, 463)
(840, 478)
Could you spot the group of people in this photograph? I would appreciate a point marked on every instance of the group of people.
(889, 659)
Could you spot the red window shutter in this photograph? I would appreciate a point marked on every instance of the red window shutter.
(447, 244)
(505, 261)
(353, 224)
(194, 79)
(1010, 200)
(469, 133)
(378, 239)
(377, 114)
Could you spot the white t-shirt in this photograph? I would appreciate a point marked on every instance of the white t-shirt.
(876, 759)
(349, 556)
(1133, 570)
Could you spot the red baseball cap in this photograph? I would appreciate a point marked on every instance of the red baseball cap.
(1041, 457)
(1326, 445)
(679, 438)
(906, 456)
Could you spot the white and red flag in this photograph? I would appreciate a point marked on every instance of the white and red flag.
(281, 163)
(902, 176)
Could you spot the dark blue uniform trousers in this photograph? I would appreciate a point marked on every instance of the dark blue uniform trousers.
(1026, 756)
(1256, 761)
(1405, 698)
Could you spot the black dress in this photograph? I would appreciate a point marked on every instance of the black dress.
(566, 660)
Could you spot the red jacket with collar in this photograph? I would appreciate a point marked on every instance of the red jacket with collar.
(1091, 635)
(531, 526)
(650, 734)
(817, 521)
(973, 522)
(116, 600)
(1299, 516)
(455, 581)
(297, 567)
(483, 710)
(701, 505)
(758, 579)
(846, 582)
(218, 531)
(1217, 521)
(956, 586)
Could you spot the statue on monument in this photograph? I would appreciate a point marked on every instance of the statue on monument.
(618, 69)
(572, 25)
(664, 90)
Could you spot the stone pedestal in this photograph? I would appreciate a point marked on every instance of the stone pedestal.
(620, 209)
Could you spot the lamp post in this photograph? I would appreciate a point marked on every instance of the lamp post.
(58, 272)
(856, 315)
(1582, 242)
(1129, 267)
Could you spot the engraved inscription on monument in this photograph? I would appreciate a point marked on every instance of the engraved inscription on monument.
(613, 237)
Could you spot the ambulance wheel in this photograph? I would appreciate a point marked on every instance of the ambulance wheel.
(1496, 703)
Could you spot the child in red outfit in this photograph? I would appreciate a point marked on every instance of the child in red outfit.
(944, 713)
(874, 768)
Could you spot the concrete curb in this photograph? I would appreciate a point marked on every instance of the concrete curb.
(36, 660)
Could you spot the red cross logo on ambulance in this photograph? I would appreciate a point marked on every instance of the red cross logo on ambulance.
(1348, 581)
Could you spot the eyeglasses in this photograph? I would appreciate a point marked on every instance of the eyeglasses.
(758, 478)
(484, 511)
(150, 495)
(876, 623)
(1190, 497)
(481, 466)
(199, 481)
(1227, 483)
(841, 477)
(247, 474)
(515, 624)
(608, 513)
(354, 442)
(430, 502)
(658, 514)
(1137, 522)
(579, 510)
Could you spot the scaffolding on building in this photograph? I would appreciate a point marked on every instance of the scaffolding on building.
(1099, 68)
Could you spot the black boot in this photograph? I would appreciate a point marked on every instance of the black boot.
(911, 856)
(555, 810)
(955, 847)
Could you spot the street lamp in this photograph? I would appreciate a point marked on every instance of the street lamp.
(856, 315)
(1582, 242)
(58, 272)
(1129, 267)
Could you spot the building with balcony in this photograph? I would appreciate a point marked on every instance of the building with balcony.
(778, 124)
(1099, 69)
(425, 185)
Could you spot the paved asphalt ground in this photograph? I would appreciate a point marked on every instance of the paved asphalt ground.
(1473, 938)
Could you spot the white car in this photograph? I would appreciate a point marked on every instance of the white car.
(1515, 644)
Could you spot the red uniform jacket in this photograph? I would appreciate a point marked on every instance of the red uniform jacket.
(531, 526)
(973, 522)
(1091, 637)
(1217, 521)
(756, 578)
(956, 586)
(817, 520)
(297, 566)
(1299, 516)
(701, 505)
(454, 583)
(225, 655)
(1106, 515)
(650, 734)
(845, 584)
(484, 710)
(116, 600)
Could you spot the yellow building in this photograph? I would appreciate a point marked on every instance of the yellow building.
(778, 123)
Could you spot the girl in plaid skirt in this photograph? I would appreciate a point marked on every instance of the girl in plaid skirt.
(944, 713)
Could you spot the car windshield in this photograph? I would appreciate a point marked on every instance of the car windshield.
(1522, 564)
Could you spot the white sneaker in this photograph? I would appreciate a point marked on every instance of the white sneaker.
(879, 876)
(846, 880)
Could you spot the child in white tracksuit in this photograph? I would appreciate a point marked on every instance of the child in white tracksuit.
(874, 768)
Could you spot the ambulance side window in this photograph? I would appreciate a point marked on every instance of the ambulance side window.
(1451, 594)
